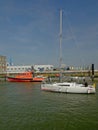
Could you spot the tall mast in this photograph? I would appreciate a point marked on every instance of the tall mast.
(60, 44)
(60, 38)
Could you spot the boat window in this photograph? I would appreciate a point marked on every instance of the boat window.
(64, 85)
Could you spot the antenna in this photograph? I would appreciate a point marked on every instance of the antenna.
(10, 62)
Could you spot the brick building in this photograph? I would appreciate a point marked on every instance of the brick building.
(2, 64)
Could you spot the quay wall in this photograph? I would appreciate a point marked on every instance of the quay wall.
(83, 73)
(69, 73)
(80, 73)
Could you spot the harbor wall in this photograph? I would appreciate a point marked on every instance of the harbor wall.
(82, 73)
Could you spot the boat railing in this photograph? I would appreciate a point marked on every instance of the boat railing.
(80, 80)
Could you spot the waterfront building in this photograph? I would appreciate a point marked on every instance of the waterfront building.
(2, 64)
(42, 68)
(23, 68)
(18, 69)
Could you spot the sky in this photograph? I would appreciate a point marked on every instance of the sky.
(29, 31)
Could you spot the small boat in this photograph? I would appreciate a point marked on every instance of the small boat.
(68, 87)
(25, 77)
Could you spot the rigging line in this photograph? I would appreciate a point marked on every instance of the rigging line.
(75, 39)
(72, 31)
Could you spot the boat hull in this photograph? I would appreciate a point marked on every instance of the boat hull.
(10, 79)
(73, 88)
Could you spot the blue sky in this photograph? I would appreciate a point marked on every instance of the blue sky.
(29, 31)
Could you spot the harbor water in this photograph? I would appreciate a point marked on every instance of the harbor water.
(23, 106)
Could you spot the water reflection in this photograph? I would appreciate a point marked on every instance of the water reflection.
(23, 106)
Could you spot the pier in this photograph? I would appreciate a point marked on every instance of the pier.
(79, 73)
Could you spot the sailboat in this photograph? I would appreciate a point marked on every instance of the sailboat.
(66, 87)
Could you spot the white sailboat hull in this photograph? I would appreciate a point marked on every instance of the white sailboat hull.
(66, 87)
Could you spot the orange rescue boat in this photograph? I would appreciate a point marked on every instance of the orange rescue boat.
(25, 77)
